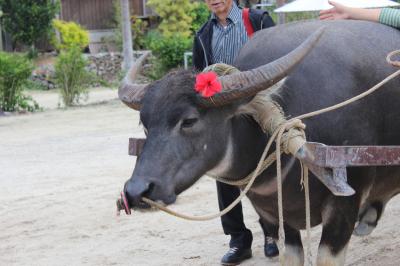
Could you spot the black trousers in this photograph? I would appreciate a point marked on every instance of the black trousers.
(232, 222)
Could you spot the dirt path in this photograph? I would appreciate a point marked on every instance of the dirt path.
(52, 100)
(61, 172)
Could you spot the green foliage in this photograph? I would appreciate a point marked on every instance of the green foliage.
(27, 20)
(200, 15)
(174, 16)
(71, 76)
(171, 49)
(93, 80)
(139, 28)
(35, 86)
(27, 103)
(168, 51)
(179, 21)
(297, 16)
(72, 35)
(14, 73)
(157, 71)
(151, 39)
(116, 22)
(292, 16)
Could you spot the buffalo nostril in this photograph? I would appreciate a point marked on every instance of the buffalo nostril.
(150, 189)
(136, 189)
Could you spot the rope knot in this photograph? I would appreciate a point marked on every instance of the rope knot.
(293, 136)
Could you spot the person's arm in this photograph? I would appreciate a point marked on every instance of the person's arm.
(390, 17)
(267, 21)
(196, 60)
(340, 11)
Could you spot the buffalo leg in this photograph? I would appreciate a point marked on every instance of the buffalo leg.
(369, 219)
(294, 255)
(386, 186)
(339, 216)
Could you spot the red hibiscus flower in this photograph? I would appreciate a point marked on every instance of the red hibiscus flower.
(207, 84)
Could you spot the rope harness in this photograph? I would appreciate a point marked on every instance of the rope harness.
(282, 135)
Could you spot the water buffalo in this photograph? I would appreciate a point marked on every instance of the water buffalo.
(188, 136)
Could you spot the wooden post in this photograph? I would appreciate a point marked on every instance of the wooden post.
(126, 35)
(281, 16)
(1, 33)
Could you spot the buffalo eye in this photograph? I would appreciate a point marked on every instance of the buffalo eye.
(188, 123)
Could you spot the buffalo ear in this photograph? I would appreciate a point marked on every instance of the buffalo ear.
(130, 93)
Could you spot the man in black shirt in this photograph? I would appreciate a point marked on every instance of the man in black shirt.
(219, 41)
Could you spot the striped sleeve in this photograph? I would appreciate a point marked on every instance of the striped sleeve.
(390, 16)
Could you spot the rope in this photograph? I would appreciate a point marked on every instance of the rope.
(304, 182)
(277, 135)
(293, 123)
(266, 163)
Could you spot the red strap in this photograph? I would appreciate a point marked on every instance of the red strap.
(247, 23)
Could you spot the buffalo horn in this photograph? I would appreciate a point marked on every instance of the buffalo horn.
(248, 83)
(130, 93)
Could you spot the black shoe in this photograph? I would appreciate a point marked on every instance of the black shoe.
(236, 255)
(270, 247)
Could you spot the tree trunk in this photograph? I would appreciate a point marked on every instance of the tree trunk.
(126, 35)
(58, 14)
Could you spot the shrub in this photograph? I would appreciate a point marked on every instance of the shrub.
(14, 73)
(298, 16)
(179, 20)
(139, 28)
(156, 71)
(152, 38)
(28, 20)
(35, 85)
(199, 14)
(168, 51)
(292, 16)
(174, 16)
(71, 76)
(72, 35)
